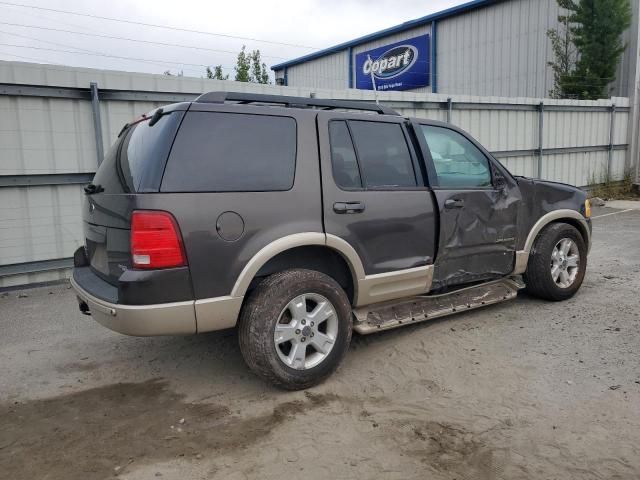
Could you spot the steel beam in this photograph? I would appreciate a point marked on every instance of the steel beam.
(45, 179)
(173, 97)
(97, 122)
(43, 91)
(556, 151)
(141, 96)
(540, 137)
(612, 123)
(34, 267)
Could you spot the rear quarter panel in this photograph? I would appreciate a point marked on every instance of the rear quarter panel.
(215, 263)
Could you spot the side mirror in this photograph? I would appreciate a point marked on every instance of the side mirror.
(499, 182)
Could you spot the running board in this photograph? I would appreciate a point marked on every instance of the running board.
(395, 313)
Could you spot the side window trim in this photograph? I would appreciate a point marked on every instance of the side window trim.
(430, 165)
(425, 154)
(419, 170)
(331, 152)
(355, 152)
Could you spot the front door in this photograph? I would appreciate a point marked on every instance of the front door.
(374, 195)
(478, 204)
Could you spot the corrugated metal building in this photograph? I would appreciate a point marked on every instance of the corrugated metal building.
(484, 47)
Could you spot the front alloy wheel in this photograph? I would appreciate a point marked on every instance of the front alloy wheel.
(565, 263)
(557, 262)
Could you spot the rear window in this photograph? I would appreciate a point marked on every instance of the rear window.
(137, 159)
(230, 152)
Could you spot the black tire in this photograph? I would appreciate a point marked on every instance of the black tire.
(259, 317)
(538, 277)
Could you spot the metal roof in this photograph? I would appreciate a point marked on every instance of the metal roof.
(458, 9)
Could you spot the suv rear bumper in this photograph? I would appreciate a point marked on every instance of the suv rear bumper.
(177, 318)
(100, 300)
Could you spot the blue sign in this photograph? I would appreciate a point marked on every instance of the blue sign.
(400, 66)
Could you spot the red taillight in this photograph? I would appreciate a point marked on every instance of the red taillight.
(155, 240)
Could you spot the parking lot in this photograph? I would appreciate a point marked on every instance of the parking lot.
(525, 389)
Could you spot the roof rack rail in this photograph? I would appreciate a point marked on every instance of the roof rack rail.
(244, 98)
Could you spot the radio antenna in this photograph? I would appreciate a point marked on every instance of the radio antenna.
(373, 80)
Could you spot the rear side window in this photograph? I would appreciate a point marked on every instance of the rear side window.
(230, 152)
(383, 154)
(145, 152)
(136, 160)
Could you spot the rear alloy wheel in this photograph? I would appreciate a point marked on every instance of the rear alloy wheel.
(557, 263)
(295, 328)
(306, 331)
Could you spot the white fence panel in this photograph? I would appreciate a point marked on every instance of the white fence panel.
(48, 143)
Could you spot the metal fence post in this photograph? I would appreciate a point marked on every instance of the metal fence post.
(540, 136)
(97, 122)
(449, 109)
(612, 122)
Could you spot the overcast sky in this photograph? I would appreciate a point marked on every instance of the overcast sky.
(298, 23)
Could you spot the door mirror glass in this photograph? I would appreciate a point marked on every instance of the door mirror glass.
(458, 163)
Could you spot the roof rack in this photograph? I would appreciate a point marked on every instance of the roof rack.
(244, 98)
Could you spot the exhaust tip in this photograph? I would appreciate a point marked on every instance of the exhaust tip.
(84, 308)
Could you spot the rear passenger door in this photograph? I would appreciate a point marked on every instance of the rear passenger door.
(374, 196)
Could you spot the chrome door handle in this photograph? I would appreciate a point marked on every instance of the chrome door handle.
(348, 207)
(454, 203)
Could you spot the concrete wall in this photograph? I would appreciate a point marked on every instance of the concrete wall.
(48, 144)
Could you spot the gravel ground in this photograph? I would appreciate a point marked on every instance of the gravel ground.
(525, 389)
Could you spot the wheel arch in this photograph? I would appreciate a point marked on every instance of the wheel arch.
(570, 217)
(311, 250)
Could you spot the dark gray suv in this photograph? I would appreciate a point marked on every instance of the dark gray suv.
(299, 220)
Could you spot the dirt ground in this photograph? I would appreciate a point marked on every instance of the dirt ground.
(525, 389)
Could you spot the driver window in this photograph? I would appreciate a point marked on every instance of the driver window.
(458, 162)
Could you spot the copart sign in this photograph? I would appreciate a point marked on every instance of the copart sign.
(399, 66)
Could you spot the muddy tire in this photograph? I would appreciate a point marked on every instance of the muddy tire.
(557, 263)
(295, 328)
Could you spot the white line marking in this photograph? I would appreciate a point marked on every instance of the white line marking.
(614, 213)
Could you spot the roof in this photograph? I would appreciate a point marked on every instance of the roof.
(450, 12)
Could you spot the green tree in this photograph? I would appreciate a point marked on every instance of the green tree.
(243, 66)
(249, 68)
(259, 71)
(595, 29)
(564, 51)
(216, 73)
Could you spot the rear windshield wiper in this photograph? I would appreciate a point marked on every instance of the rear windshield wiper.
(123, 129)
(157, 115)
(91, 189)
